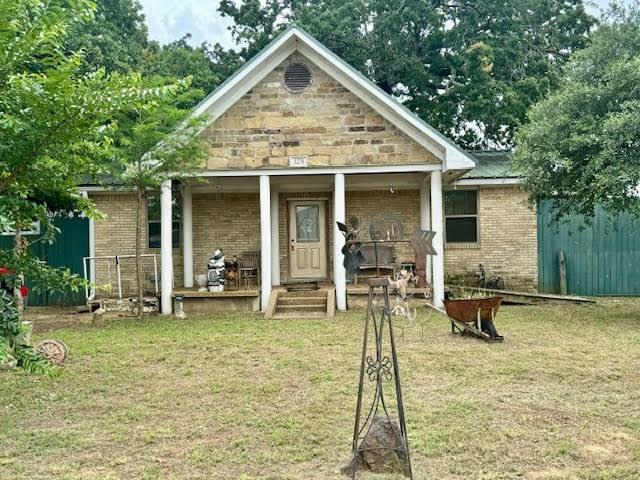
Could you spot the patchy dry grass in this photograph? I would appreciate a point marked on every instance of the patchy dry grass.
(239, 397)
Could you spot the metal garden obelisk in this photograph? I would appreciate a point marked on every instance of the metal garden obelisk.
(380, 442)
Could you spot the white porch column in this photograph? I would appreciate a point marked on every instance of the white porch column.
(275, 237)
(438, 240)
(425, 220)
(265, 241)
(187, 238)
(339, 273)
(166, 257)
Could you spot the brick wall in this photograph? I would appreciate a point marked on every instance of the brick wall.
(231, 221)
(404, 204)
(116, 235)
(508, 242)
(326, 122)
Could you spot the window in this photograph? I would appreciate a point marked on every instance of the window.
(153, 218)
(461, 216)
(307, 223)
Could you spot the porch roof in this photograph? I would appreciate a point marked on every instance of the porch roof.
(313, 183)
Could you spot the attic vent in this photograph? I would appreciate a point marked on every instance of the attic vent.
(297, 77)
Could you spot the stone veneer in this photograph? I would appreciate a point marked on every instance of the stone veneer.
(326, 122)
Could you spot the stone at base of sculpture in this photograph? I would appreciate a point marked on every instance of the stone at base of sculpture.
(381, 451)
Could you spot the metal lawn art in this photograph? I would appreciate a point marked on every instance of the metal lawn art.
(380, 442)
(400, 286)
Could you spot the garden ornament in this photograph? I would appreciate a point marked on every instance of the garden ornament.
(380, 442)
(216, 273)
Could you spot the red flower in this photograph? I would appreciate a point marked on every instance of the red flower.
(4, 271)
(24, 291)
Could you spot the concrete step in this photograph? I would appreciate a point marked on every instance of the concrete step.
(301, 308)
(301, 304)
(305, 293)
(299, 316)
(303, 300)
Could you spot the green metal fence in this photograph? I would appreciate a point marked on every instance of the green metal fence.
(70, 246)
(601, 259)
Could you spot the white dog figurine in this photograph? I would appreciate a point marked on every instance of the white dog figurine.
(400, 285)
(402, 305)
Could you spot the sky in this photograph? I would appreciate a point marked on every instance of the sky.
(169, 20)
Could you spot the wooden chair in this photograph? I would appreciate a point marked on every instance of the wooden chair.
(249, 267)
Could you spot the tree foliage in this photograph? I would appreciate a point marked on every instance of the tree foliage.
(56, 124)
(471, 69)
(207, 65)
(118, 40)
(53, 122)
(115, 39)
(158, 141)
(581, 145)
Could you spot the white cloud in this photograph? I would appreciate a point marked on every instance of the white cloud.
(169, 20)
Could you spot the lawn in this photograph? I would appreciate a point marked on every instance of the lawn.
(239, 397)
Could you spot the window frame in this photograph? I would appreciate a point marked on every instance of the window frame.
(447, 243)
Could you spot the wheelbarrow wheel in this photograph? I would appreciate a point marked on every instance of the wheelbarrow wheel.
(53, 350)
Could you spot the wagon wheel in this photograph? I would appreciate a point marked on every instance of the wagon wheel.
(53, 350)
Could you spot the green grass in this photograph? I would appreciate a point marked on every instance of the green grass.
(239, 397)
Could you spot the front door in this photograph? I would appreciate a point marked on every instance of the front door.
(307, 239)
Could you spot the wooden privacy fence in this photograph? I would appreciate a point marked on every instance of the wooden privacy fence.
(600, 259)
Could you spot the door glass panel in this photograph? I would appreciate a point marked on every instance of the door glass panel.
(307, 223)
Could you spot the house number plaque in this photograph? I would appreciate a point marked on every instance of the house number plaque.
(298, 162)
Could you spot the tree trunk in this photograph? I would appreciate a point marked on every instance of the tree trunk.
(139, 273)
(19, 248)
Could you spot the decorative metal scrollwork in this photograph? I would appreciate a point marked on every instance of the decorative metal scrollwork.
(374, 368)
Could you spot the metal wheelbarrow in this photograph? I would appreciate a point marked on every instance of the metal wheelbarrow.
(474, 316)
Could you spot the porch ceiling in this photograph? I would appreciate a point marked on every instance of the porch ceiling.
(313, 183)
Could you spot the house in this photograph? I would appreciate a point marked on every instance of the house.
(299, 140)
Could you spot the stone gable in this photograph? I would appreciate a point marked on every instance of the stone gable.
(326, 122)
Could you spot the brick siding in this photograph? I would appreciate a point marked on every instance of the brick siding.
(116, 235)
(507, 247)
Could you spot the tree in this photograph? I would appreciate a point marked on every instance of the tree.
(581, 146)
(53, 123)
(158, 141)
(115, 40)
(118, 41)
(56, 125)
(471, 69)
(207, 65)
